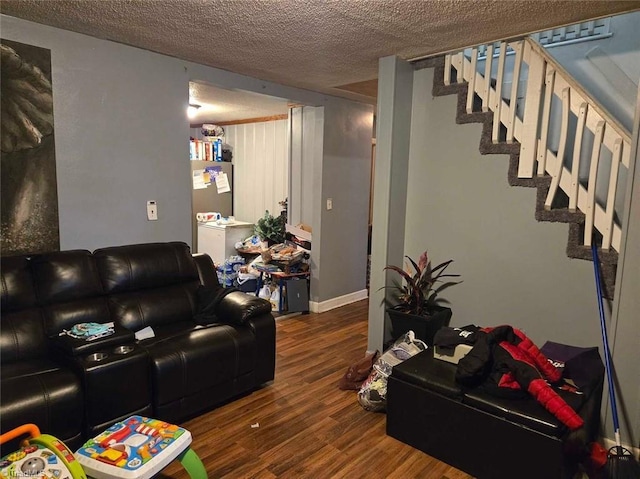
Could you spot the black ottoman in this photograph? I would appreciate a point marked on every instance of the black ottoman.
(485, 436)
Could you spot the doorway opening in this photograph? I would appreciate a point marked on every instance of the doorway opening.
(253, 133)
(253, 130)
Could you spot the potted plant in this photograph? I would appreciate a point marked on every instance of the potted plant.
(414, 303)
(270, 228)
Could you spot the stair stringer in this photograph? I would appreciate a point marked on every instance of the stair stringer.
(575, 248)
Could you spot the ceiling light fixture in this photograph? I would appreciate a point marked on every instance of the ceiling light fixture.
(192, 110)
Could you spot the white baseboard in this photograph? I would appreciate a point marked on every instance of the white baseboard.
(609, 443)
(332, 303)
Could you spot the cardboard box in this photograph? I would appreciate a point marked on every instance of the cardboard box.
(301, 230)
(299, 236)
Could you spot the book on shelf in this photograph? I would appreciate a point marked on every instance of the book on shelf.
(205, 150)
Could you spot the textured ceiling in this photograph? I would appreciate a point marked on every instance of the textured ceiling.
(218, 105)
(312, 44)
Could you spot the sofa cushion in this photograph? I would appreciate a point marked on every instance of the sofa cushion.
(143, 266)
(168, 332)
(62, 316)
(51, 399)
(28, 368)
(22, 336)
(69, 290)
(154, 307)
(198, 360)
(206, 270)
(65, 276)
(16, 284)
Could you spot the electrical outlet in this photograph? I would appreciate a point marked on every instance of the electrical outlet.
(152, 211)
(329, 203)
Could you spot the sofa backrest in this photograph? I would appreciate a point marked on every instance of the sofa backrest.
(134, 286)
(44, 294)
(68, 289)
(22, 333)
(149, 284)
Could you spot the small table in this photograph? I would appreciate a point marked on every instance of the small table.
(280, 277)
(139, 448)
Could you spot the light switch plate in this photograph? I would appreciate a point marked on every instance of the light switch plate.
(152, 211)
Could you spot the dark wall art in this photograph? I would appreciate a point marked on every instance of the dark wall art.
(29, 193)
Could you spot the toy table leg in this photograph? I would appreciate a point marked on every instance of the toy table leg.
(192, 464)
(259, 284)
(281, 299)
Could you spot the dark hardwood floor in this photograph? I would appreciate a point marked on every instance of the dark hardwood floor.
(308, 428)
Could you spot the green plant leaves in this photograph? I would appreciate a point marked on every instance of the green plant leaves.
(418, 292)
(270, 227)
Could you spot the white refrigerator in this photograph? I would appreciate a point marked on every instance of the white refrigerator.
(208, 199)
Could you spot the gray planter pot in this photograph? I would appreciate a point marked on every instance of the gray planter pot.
(424, 327)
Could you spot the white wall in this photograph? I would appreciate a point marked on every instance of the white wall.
(260, 167)
(307, 131)
(624, 60)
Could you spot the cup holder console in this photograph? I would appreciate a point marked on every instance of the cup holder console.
(119, 370)
(96, 357)
(118, 350)
(126, 349)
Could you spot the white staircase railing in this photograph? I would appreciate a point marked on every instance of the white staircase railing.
(593, 149)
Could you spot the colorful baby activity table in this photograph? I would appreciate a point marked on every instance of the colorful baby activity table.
(139, 448)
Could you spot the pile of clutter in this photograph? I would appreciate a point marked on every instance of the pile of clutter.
(285, 254)
(282, 253)
(235, 273)
(250, 245)
(228, 271)
(271, 293)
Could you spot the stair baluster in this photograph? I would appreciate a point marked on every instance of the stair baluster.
(547, 79)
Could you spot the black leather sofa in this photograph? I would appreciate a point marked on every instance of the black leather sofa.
(487, 436)
(73, 389)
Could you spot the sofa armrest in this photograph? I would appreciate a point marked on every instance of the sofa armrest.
(72, 347)
(206, 270)
(263, 328)
(237, 307)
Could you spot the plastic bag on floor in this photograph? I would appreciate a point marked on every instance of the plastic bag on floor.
(373, 393)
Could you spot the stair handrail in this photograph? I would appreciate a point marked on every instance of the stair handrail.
(545, 74)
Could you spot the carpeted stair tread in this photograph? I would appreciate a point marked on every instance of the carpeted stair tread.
(575, 220)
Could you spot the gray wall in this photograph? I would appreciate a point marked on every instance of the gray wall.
(120, 138)
(460, 207)
(626, 331)
(515, 271)
(393, 122)
(345, 178)
(122, 135)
